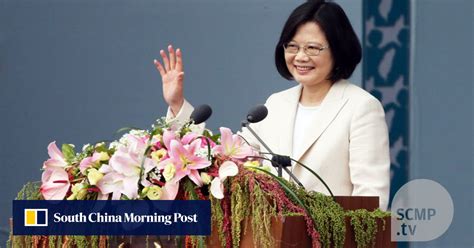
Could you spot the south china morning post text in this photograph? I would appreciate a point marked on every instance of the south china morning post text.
(166, 219)
(124, 217)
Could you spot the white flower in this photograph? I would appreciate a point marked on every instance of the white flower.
(195, 128)
(85, 147)
(169, 171)
(139, 133)
(202, 152)
(154, 192)
(228, 168)
(154, 175)
(114, 144)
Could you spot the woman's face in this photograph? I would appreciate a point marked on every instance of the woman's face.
(310, 70)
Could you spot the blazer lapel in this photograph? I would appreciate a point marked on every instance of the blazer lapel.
(286, 126)
(330, 107)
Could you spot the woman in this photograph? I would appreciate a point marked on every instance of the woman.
(335, 127)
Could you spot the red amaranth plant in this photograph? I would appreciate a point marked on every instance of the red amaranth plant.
(282, 201)
(227, 222)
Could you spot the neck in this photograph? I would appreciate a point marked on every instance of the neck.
(313, 95)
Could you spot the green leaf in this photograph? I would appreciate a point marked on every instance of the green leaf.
(101, 147)
(142, 164)
(68, 152)
(215, 137)
(206, 133)
(189, 187)
(157, 131)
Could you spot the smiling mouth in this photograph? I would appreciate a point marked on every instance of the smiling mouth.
(303, 69)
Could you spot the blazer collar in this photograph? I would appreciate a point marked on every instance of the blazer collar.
(330, 107)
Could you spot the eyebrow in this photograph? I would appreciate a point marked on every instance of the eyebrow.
(309, 42)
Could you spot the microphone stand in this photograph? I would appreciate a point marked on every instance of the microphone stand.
(276, 159)
(307, 168)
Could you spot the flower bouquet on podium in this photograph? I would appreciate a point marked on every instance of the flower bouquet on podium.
(186, 163)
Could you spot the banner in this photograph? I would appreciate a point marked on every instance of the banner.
(111, 217)
(386, 75)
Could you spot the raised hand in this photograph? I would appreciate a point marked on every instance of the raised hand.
(172, 77)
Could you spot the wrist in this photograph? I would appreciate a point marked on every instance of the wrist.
(176, 106)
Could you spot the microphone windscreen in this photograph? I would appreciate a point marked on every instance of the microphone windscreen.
(201, 114)
(257, 114)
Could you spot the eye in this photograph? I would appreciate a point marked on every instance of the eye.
(313, 48)
(292, 46)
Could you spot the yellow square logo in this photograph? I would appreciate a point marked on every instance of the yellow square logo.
(36, 217)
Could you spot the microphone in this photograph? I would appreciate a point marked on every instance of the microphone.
(201, 113)
(257, 114)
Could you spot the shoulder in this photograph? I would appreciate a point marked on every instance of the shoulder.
(356, 92)
(359, 97)
(285, 95)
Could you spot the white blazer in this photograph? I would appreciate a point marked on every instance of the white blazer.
(347, 145)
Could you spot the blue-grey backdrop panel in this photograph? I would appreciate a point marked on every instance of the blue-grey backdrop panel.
(75, 71)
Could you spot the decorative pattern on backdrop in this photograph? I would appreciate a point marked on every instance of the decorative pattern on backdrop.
(386, 61)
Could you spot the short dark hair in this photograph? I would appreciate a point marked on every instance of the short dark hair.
(343, 42)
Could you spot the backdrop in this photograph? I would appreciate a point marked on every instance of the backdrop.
(76, 71)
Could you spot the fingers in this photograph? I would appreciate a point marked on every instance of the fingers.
(172, 57)
(180, 77)
(159, 67)
(179, 60)
(165, 60)
(173, 62)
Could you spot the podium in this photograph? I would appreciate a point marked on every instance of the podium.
(287, 231)
(291, 231)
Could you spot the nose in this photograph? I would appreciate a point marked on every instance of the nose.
(301, 56)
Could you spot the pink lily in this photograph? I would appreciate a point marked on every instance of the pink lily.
(55, 183)
(205, 141)
(169, 135)
(123, 172)
(112, 183)
(186, 163)
(188, 138)
(228, 168)
(170, 190)
(56, 159)
(89, 161)
(232, 145)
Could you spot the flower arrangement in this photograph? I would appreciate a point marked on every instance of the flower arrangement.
(145, 165)
(169, 162)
